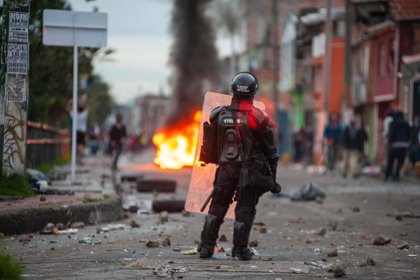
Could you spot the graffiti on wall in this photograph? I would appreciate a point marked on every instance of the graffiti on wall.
(14, 138)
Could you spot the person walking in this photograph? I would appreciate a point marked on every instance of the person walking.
(398, 139)
(353, 143)
(333, 135)
(117, 135)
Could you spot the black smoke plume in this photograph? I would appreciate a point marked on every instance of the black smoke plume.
(193, 57)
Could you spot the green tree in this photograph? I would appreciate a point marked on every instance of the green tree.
(100, 101)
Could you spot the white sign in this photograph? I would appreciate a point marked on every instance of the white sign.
(17, 59)
(18, 27)
(68, 28)
(16, 88)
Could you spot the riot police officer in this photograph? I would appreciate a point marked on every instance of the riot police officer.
(242, 144)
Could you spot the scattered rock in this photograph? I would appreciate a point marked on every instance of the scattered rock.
(263, 230)
(309, 241)
(186, 213)
(86, 240)
(381, 241)
(259, 224)
(52, 248)
(355, 209)
(321, 231)
(403, 234)
(133, 209)
(223, 238)
(253, 243)
(398, 217)
(42, 198)
(133, 224)
(163, 217)
(77, 225)
(166, 242)
(368, 262)
(332, 253)
(152, 243)
(98, 230)
(403, 246)
(333, 224)
(339, 272)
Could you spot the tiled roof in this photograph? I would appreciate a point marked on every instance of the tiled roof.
(404, 9)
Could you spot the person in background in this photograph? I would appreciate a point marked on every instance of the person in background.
(308, 142)
(415, 142)
(81, 126)
(298, 142)
(94, 133)
(398, 139)
(353, 142)
(117, 135)
(387, 121)
(333, 135)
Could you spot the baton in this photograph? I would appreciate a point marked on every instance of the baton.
(207, 200)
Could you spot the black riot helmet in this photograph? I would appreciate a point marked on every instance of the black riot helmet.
(244, 85)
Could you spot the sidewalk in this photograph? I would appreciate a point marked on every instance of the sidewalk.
(93, 200)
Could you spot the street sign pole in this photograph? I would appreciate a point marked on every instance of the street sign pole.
(74, 29)
(74, 119)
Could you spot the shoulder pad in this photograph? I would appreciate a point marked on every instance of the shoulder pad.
(214, 113)
(260, 118)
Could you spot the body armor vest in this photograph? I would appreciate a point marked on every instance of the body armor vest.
(234, 138)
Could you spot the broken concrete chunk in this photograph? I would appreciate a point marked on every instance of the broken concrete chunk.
(381, 241)
(368, 262)
(163, 217)
(166, 242)
(152, 243)
(133, 224)
(253, 243)
(337, 271)
(404, 245)
(332, 253)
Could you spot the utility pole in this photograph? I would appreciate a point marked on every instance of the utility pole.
(14, 85)
(276, 56)
(348, 61)
(327, 60)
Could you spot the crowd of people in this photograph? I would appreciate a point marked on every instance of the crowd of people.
(347, 142)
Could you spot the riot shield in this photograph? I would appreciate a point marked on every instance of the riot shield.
(202, 177)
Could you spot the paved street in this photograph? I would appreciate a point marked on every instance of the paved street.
(293, 238)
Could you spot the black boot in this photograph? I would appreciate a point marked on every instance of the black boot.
(209, 235)
(241, 233)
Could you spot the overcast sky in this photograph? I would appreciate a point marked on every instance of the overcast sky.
(139, 31)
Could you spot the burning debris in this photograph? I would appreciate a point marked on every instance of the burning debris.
(195, 64)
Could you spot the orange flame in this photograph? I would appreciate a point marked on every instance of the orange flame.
(176, 145)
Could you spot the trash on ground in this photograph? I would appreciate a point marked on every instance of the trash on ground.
(189, 252)
(403, 246)
(296, 270)
(309, 191)
(68, 231)
(320, 231)
(77, 225)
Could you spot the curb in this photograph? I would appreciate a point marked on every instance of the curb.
(27, 220)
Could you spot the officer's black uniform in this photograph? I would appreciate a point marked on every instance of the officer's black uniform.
(243, 131)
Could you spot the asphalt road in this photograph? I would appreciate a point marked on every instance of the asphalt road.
(294, 238)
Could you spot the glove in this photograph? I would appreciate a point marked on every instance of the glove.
(276, 188)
